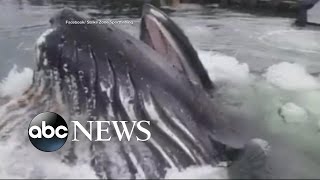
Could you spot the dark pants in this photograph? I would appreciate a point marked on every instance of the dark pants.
(302, 17)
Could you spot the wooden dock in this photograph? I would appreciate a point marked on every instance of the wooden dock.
(285, 5)
(274, 4)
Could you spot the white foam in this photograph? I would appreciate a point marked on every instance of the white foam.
(16, 82)
(42, 38)
(263, 144)
(24, 161)
(199, 172)
(224, 68)
(291, 76)
(293, 113)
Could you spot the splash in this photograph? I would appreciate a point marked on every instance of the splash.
(292, 113)
(291, 76)
(16, 82)
(23, 161)
(225, 68)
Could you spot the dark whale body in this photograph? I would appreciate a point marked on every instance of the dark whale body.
(108, 74)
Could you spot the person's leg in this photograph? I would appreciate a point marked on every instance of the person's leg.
(302, 18)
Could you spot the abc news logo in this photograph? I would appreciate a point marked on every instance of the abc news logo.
(48, 131)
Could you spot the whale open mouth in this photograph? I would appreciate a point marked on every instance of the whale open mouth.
(165, 37)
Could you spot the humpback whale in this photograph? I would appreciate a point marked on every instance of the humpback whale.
(103, 73)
